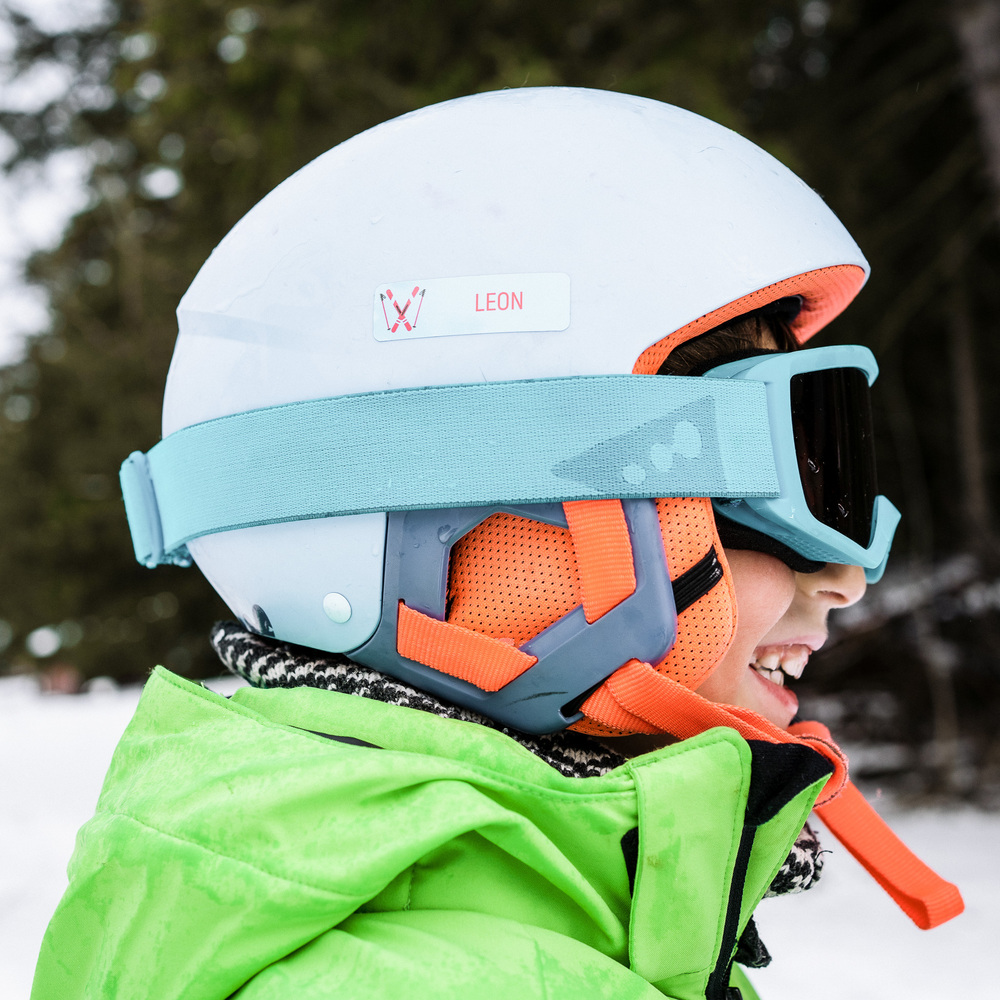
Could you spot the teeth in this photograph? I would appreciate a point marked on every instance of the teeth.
(770, 662)
(794, 664)
(776, 665)
(774, 676)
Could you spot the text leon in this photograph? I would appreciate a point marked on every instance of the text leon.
(499, 301)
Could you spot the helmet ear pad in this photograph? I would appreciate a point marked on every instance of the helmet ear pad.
(511, 577)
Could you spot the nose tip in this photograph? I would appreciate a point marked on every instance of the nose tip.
(840, 585)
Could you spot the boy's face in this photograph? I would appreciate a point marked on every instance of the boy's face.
(782, 618)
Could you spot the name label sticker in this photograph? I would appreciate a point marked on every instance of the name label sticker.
(488, 303)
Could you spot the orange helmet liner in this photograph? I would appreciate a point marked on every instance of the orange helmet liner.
(826, 292)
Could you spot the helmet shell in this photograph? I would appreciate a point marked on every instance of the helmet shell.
(629, 218)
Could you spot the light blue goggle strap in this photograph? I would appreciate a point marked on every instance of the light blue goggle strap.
(523, 442)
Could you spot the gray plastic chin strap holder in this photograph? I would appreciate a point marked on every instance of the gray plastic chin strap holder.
(574, 657)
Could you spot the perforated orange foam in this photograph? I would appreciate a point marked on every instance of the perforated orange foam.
(705, 629)
(510, 578)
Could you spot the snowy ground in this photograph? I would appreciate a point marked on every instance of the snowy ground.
(845, 940)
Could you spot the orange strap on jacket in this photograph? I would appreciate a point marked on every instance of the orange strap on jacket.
(639, 691)
(926, 898)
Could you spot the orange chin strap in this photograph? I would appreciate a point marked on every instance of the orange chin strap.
(926, 898)
(637, 696)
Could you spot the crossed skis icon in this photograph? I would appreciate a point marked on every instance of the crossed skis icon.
(401, 317)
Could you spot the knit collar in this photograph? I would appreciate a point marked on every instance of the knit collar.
(270, 663)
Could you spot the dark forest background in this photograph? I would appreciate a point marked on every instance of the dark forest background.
(189, 112)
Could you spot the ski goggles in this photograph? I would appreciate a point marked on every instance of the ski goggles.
(819, 410)
(781, 442)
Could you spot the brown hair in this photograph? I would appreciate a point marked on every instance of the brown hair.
(744, 333)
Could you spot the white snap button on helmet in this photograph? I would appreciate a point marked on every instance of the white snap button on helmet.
(542, 241)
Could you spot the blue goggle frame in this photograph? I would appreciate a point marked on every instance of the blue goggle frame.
(788, 517)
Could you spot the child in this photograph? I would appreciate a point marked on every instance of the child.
(414, 435)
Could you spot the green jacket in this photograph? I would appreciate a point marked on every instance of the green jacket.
(236, 850)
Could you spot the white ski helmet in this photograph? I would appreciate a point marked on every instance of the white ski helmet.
(522, 239)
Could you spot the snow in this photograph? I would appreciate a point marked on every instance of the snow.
(843, 940)
(847, 939)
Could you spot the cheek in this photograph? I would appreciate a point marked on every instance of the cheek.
(764, 588)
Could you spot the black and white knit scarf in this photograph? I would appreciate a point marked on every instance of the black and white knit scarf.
(268, 663)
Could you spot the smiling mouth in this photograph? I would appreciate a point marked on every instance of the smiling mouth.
(778, 664)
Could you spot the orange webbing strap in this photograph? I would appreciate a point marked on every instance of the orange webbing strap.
(926, 898)
(471, 656)
(672, 708)
(603, 554)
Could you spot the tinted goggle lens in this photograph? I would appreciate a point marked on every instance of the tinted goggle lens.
(835, 448)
